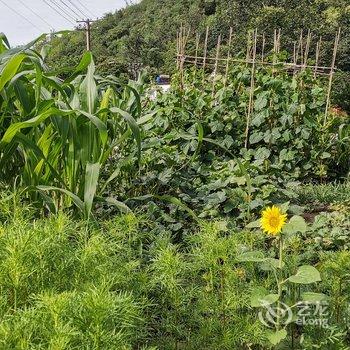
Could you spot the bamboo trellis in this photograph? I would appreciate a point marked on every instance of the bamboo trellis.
(298, 62)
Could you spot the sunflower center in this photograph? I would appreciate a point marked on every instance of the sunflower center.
(274, 221)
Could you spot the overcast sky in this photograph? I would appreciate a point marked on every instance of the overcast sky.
(43, 18)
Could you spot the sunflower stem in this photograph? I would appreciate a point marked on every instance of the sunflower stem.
(280, 264)
(280, 258)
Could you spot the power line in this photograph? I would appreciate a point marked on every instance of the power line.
(85, 8)
(82, 12)
(55, 2)
(34, 13)
(70, 8)
(53, 8)
(19, 14)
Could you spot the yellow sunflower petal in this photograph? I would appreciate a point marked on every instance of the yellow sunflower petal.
(272, 220)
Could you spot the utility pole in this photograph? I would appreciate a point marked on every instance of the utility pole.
(52, 34)
(87, 23)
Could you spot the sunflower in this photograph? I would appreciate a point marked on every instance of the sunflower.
(272, 220)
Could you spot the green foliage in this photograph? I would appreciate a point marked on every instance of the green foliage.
(143, 35)
(65, 287)
(341, 90)
(326, 194)
(157, 280)
(305, 274)
(56, 135)
(193, 145)
(67, 284)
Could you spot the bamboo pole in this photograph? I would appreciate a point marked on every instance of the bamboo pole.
(279, 41)
(249, 41)
(251, 92)
(205, 46)
(285, 64)
(318, 50)
(205, 51)
(263, 48)
(197, 46)
(300, 48)
(331, 74)
(177, 50)
(274, 49)
(216, 63)
(181, 58)
(180, 39)
(294, 52)
(187, 36)
(183, 42)
(228, 55)
(180, 44)
(307, 47)
(185, 39)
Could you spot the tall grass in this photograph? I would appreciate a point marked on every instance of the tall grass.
(68, 284)
(61, 289)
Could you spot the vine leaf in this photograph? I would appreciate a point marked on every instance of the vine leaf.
(306, 274)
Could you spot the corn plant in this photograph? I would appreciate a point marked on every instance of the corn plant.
(56, 134)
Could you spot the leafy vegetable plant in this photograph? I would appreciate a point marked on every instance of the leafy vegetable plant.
(273, 222)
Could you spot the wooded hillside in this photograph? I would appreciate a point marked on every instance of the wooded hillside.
(144, 35)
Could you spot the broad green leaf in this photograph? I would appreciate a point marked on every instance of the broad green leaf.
(120, 205)
(23, 96)
(91, 181)
(270, 264)
(255, 256)
(102, 128)
(81, 67)
(296, 224)
(256, 295)
(3, 39)
(261, 102)
(29, 144)
(262, 153)
(305, 275)
(77, 201)
(84, 62)
(200, 141)
(146, 118)
(88, 90)
(133, 126)
(178, 203)
(16, 127)
(325, 155)
(269, 299)
(256, 137)
(276, 337)
(136, 99)
(260, 297)
(10, 69)
(254, 224)
(21, 49)
(313, 297)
